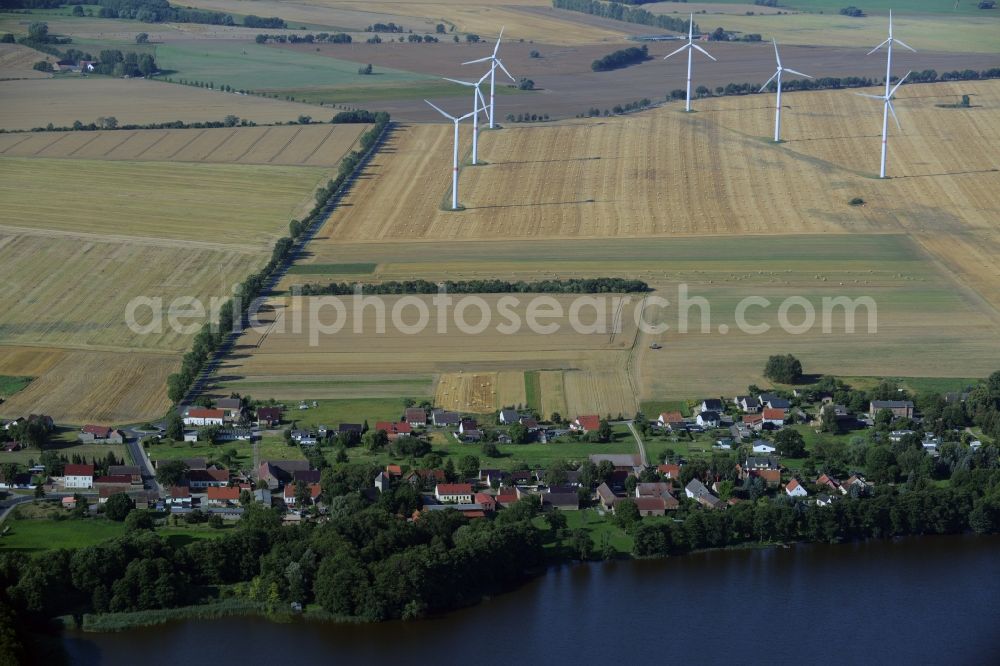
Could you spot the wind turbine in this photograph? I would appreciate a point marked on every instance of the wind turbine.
(888, 60)
(689, 46)
(477, 97)
(454, 163)
(777, 76)
(886, 110)
(494, 61)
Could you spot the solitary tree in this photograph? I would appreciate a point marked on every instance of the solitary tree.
(118, 507)
(784, 369)
(141, 38)
(790, 443)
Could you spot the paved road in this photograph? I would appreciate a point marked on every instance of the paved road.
(142, 460)
(638, 440)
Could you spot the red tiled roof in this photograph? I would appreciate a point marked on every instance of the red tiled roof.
(589, 421)
(391, 428)
(314, 490)
(773, 414)
(649, 503)
(394, 470)
(97, 431)
(753, 418)
(202, 413)
(180, 492)
(78, 470)
(792, 485)
(118, 478)
(670, 471)
(454, 489)
(214, 493)
(671, 417)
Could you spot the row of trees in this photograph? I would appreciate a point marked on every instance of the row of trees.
(308, 38)
(606, 285)
(621, 12)
(621, 58)
(158, 11)
(213, 334)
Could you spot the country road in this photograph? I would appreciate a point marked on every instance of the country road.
(638, 440)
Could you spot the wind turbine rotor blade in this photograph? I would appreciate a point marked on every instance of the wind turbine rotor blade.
(438, 109)
(677, 51)
(484, 77)
(473, 62)
(898, 83)
(497, 47)
(461, 83)
(773, 77)
(776, 56)
(691, 28)
(792, 71)
(705, 52)
(878, 47)
(468, 115)
(893, 112)
(905, 46)
(878, 97)
(500, 65)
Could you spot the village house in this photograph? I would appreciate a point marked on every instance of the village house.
(235, 434)
(830, 483)
(394, 429)
(487, 501)
(179, 496)
(115, 484)
(753, 422)
(190, 435)
(213, 477)
(275, 473)
(622, 462)
(455, 493)
(529, 422)
(899, 408)
(564, 499)
(268, 417)
(420, 477)
(697, 491)
(586, 423)
(762, 446)
(659, 490)
(747, 404)
(506, 496)
(131, 471)
(671, 420)
(711, 405)
(222, 497)
(445, 419)
(772, 401)
(492, 477)
(101, 434)
(382, 481)
(774, 416)
(508, 417)
(78, 476)
(669, 470)
(795, 489)
(415, 416)
(201, 416)
(304, 438)
(314, 492)
(606, 497)
(708, 419)
(650, 506)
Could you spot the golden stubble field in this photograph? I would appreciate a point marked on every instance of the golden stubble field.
(286, 145)
(36, 103)
(666, 173)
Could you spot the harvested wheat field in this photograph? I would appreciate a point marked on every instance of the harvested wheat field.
(16, 62)
(93, 387)
(243, 207)
(289, 145)
(480, 392)
(609, 178)
(29, 104)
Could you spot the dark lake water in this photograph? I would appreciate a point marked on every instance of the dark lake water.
(913, 601)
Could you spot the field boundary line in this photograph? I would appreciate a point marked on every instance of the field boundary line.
(115, 239)
(83, 145)
(141, 152)
(14, 145)
(119, 144)
(251, 146)
(233, 132)
(285, 147)
(48, 145)
(186, 144)
(319, 144)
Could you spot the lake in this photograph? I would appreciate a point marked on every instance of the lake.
(916, 600)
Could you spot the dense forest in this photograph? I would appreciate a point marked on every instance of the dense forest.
(564, 286)
(633, 55)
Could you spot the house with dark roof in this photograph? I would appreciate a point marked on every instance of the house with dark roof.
(565, 499)
(650, 506)
(508, 417)
(213, 477)
(415, 416)
(606, 497)
(711, 405)
(697, 491)
(131, 471)
(747, 404)
(444, 418)
(268, 416)
(899, 408)
(708, 419)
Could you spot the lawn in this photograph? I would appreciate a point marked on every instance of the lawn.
(269, 447)
(533, 390)
(65, 444)
(918, 384)
(183, 535)
(600, 528)
(258, 67)
(11, 385)
(332, 413)
(35, 535)
(653, 408)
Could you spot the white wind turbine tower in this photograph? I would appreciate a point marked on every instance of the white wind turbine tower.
(494, 61)
(454, 163)
(886, 110)
(477, 98)
(690, 46)
(777, 76)
(888, 60)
